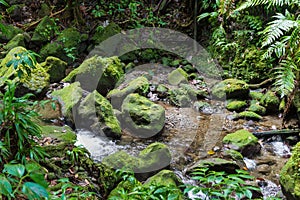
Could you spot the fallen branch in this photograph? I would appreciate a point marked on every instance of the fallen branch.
(277, 132)
(258, 85)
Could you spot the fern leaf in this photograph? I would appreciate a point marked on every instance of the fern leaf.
(279, 48)
(269, 3)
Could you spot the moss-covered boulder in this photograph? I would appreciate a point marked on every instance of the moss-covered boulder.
(247, 115)
(257, 108)
(139, 85)
(215, 164)
(141, 116)
(290, 177)
(243, 141)
(44, 30)
(52, 49)
(236, 105)
(10, 33)
(270, 101)
(256, 95)
(36, 81)
(230, 89)
(55, 67)
(68, 97)
(233, 154)
(18, 40)
(95, 110)
(98, 73)
(178, 76)
(108, 31)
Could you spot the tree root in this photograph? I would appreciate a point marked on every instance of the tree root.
(258, 85)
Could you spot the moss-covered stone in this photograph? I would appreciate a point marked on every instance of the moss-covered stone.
(179, 97)
(203, 106)
(236, 105)
(178, 76)
(68, 97)
(94, 109)
(235, 155)
(243, 141)
(290, 175)
(52, 49)
(109, 31)
(215, 164)
(256, 95)
(10, 33)
(255, 107)
(142, 117)
(270, 101)
(231, 88)
(44, 30)
(248, 115)
(36, 81)
(139, 85)
(97, 71)
(18, 40)
(44, 10)
(70, 38)
(55, 67)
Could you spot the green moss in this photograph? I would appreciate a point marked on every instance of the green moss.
(104, 113)
(139, 85)
(18, 40)
(290, 175)
(44, 30)
(270, 101)
(256, 95)
(143, 117)
(68, 97)
(55, 67)
(10, 33)
(255, 107)
(178, 76)
(247, 115)
(105, 72)
(52, 49)
(231, 88)
(234, 154)
(236, 105)
(240, 139)
(109, 31)
(201, 105)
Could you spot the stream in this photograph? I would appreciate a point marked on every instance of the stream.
(190, 134)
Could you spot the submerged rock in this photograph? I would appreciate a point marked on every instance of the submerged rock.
(231, 88)
(95, 110)
(97, 73)
(243, 141)
(289, 175)
(34, 79)
(142, 117)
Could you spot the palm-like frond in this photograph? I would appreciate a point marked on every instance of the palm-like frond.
(278, 47)
(251, 3)
(278, 28)
(285, 77)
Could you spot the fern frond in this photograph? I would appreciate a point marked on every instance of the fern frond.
(278, 28)
(252, 3)
(295, 38)
(285, 77)
(204, 15)
(279, 48)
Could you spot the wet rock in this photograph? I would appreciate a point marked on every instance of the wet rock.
(289, 175)
(243, 141)
(215, 164)
(94, 108)
(139, 85)
(248, 115)
(270, 101)
(18, 40)
(44, 31)
(37, 81)
(178, 76)
(97, 73)
(68, 98)
(230, 89)
(141, 116)
(255, 107)
(55, 67)
(263, 169)
(236, 105)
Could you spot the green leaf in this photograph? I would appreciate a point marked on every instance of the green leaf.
(15, 169)
(5, 186)
(34, 191)
(248, 194)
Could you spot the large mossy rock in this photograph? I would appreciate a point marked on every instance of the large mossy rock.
(96, 111)
(139, 85)
(10, 33)
(142, 117)
(236, 105)
(243, 141)
(17, 41)
(55, 67)
(44, 31)
(290, 175)
(153, 158)
(270, 101)
(230, 89)
(108, 31)
(37, 81)
(98, 73)
(68, 97)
